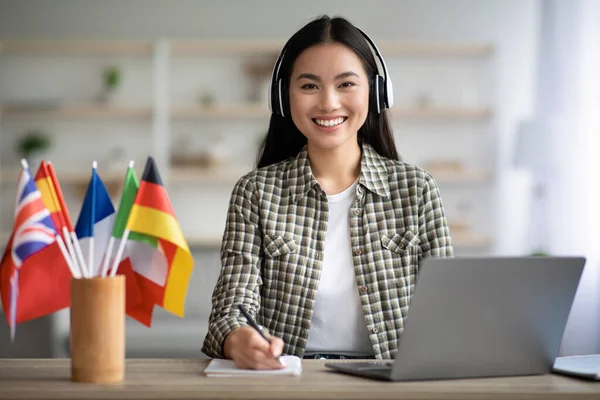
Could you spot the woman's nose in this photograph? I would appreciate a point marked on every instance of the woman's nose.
(329, 100)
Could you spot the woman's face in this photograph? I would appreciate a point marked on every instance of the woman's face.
(329, 95)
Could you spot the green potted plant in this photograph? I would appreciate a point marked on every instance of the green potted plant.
(111, 81)
(112, 78)
(32, 146)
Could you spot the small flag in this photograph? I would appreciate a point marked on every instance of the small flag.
(95, 223)
(34, 275)
(164, 272)
(130, 255)
(52, 195)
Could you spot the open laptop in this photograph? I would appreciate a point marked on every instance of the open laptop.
(476, 317)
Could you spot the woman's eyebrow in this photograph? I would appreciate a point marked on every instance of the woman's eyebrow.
(318, 79)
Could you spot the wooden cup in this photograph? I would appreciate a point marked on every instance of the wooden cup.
(98, 329)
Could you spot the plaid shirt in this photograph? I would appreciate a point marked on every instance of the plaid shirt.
(272, 249)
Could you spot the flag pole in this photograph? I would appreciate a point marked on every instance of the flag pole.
(91, 254)
(65, 253)
(68, 241)
(71, 249)
(112, 237)
(84, 270)
(106, 260)
(117, 260)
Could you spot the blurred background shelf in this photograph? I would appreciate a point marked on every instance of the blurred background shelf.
(221, 111)
(437, 113)
(75, 111)
(216, 174)
(76, 47)
(185, 47)
(251, 110)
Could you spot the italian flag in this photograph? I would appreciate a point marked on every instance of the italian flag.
(155, 247)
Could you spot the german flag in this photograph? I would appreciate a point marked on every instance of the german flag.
(165, 275)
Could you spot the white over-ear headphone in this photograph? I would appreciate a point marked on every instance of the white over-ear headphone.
(381, 94)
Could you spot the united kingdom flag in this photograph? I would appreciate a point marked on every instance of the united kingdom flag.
(31, 260)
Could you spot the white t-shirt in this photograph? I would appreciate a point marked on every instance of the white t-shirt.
(338, 324)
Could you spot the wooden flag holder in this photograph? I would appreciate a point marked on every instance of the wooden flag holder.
(98, 329)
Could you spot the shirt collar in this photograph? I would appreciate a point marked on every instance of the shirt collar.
(373, 174)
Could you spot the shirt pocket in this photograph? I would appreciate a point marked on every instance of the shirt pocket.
(281, 260)
(401, 254)
(398, 244)
(280, 270)
(278, 245)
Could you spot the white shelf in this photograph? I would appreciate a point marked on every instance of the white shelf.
(470, 240)
(472, 176)
(250, 110)
(76, 111)
(221, 46)
(64, 177)
(221, 111)
(77, 47)
(435, 113)
(208, 175)
(423, 49)
(180, 47)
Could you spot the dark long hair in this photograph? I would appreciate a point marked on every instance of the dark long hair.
(283, 139)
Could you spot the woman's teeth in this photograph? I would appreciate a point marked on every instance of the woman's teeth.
(329, 122)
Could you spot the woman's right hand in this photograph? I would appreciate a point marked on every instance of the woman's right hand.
(249, 350)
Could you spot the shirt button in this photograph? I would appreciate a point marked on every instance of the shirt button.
(357, 252)
(363, 289)
(374, 330)
(272, 247)
(356, 212)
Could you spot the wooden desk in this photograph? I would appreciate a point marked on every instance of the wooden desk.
(177, 379)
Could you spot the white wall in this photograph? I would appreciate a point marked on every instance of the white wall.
(510, 25)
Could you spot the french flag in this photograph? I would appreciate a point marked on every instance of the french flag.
(95, 223)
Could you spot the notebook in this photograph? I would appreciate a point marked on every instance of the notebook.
(587, 367)
(223, 368)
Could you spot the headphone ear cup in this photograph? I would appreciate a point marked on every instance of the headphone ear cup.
(274, 99)
(279, 99)
(377, 95)
(381, 93)
(285, 99)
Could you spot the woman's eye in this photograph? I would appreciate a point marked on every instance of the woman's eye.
(347, 84)
(309, 86)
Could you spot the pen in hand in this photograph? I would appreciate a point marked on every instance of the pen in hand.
(254, 325)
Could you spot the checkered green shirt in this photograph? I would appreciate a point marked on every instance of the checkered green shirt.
(272, 249)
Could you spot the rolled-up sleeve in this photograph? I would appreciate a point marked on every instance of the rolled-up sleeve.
(433, 225)
(240, 278)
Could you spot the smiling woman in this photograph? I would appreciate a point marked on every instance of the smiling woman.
(323, 240)
(329, 100)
